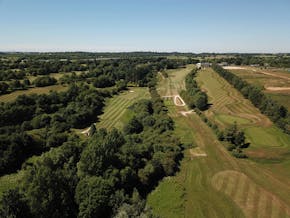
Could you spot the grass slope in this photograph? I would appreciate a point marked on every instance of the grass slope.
(116, 111)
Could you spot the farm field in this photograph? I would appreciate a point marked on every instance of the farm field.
(274, 81)
(116, 111)
(38, 90)
(217, 184)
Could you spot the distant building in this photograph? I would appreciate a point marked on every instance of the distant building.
(203, 65)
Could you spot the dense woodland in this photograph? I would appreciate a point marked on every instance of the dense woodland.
(276, 112)
(108, 174)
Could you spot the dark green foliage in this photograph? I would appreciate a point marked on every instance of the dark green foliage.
(236, 138)
(14, 149)
(103, 81)
(193, 96)
(100, 153)
(50, 183)
(277, 113)
(3, 88)
(44, 81)
(93, 196)
(14, 205)
(134, 126)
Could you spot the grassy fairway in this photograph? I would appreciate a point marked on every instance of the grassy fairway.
(228, 105)
(39, 90)
(116, 110)
(219, 185)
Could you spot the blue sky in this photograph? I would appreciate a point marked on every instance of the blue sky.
(145, 25)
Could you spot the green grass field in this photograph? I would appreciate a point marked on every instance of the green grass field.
(281, 98)
(219, 185)
(229, 119)
(116, 111)
(39, 90)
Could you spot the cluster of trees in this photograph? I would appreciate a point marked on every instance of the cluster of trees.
(236, 139)
(107, 175)
(42, 81)
(193, 96)
(276, 112)
(11, 75)
(51, 114)
(6, 87)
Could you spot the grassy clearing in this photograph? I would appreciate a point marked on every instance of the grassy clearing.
(116, 112)
(39, 90)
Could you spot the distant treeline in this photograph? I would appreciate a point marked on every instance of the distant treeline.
(276, 112)
(101, 73)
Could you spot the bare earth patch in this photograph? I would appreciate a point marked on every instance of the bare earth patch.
(197, 152)
(234, 68)
(277, 88)
(185, 113)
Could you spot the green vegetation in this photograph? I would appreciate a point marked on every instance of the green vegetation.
(261, 137)
(277, 113)
(218, 184)
(230, 120)
(117, 112)
(166, 202)
(193, 96)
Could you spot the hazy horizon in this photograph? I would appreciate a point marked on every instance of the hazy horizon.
(153, 25)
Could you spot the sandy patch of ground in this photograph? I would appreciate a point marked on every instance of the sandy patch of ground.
(86, 131)
(178, 101)
(234, 68)
(185, 113)
(197, 152)
(277, 88)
